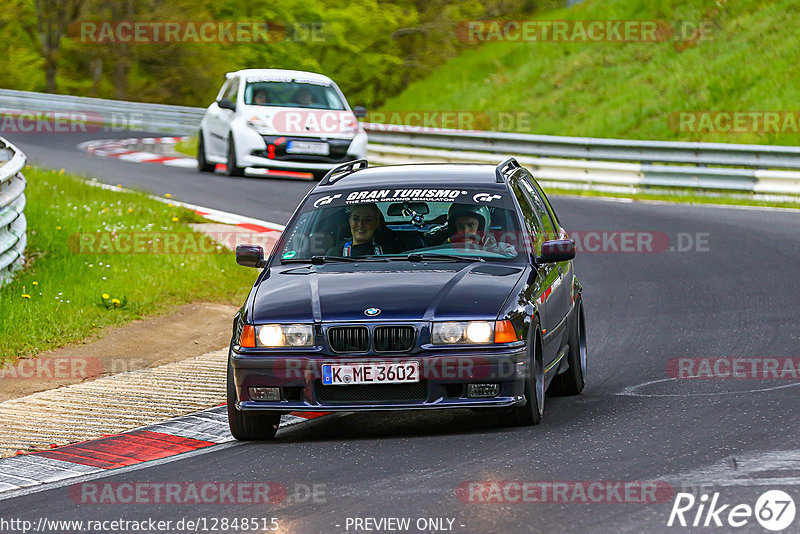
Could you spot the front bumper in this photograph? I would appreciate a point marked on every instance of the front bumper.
(257, 161)
(253, 150)
(444, 377)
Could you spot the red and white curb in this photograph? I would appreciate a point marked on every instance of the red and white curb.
(154, 150)
(140, 150)
(175, 436)
(224, 217)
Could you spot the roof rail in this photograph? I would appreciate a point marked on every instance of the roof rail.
(343, 170)
(507, 166)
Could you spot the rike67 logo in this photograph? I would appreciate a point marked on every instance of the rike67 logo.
(774, 510)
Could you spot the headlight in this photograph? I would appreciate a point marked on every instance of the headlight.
(462, 332)
(286, 335)
(259, 125)
(473, 332)
(479, 332)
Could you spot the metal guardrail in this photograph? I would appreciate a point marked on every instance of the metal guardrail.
(13, 238)
(591, 148)
(571, 161)
(115, 114)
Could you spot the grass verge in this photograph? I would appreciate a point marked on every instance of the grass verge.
(58, 298)
(746, 61)
(188, 147)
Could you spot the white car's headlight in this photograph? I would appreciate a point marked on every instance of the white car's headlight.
(259, 125)
(285, 335)
(451, 333)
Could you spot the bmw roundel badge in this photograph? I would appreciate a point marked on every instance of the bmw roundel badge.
(372, 312)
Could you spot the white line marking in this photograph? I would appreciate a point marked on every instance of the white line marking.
(632, 391)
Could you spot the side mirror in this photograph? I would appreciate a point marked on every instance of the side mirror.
(557, 250)
(360, 112)
(250, 256)
(224, 103)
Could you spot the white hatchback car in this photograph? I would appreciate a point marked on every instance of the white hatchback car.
(280, 119)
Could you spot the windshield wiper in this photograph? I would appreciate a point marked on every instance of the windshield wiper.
(319, 260)
(422, 256)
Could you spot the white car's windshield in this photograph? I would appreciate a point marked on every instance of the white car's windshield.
(292, 94)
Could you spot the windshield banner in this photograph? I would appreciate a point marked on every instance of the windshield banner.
(460, 196)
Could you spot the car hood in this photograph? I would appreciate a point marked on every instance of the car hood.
(415, 292)
(288, 121)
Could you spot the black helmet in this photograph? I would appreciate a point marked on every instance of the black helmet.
(469, 210)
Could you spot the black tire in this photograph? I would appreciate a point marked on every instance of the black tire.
(572, 381)
(232, 169)
(202, 164)
(531, 413)
(249, 426)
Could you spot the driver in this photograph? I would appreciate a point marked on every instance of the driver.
(467, 226)
(261, 97)
(365, 220)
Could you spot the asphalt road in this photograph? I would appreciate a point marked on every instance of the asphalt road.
(734, 295)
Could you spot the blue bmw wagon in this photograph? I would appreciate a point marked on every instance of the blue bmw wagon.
(410, 287)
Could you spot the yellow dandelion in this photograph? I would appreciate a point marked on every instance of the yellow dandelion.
(106, 296)
(168, 195)
(115, 302)
(36, 283)
(27, 166)
(130, 210)
(26, 296)
(61, 171)
(58, 228)
(175, 219)
(169, 205)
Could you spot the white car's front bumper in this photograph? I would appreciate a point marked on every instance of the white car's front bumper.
(250, 142)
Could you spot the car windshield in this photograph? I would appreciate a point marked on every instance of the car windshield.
(410, 224)
(295, 94)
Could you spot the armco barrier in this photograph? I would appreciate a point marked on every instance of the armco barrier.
(12, 203)
(572, 161)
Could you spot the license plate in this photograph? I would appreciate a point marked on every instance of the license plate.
(307, 147)
(348, 374)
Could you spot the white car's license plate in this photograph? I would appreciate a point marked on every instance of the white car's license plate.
(348, 374)
(307, 147)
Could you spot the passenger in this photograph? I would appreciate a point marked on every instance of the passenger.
(468, 226)
(365, 220)
(303, 97)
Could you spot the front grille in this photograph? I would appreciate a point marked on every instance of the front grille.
(394, 338)
(349, 338)
(372, 392)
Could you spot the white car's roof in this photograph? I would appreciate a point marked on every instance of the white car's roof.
(280, 73)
